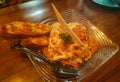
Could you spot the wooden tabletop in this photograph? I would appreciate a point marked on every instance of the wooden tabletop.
(16, 67)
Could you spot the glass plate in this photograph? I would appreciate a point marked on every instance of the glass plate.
(106, 50)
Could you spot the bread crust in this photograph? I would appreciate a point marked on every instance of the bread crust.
(23, 29)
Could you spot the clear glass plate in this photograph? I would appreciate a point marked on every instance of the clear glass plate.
(106, 50)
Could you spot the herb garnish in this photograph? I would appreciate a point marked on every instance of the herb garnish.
(66, 37)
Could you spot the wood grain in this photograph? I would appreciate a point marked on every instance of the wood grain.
(16, 67)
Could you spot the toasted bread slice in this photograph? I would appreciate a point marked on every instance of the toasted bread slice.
(23, 29)
(35, 42)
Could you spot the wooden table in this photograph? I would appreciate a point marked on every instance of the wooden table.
(15, 67)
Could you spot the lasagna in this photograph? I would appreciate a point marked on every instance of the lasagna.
(71, 53)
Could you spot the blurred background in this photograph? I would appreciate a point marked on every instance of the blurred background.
(6, 3)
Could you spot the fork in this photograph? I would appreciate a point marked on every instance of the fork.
(65, 71)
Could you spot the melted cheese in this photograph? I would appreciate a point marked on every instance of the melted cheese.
(71, 53)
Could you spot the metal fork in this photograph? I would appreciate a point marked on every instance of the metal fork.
(65, 71)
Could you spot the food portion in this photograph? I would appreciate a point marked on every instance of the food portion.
(35, 41)
(62, 46)
(55, 43)
(23, 29)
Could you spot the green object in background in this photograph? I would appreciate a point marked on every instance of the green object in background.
(107, 3)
